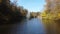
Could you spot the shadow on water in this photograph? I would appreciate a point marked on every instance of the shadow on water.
(33, 26)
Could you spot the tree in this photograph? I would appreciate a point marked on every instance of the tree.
(10, 13)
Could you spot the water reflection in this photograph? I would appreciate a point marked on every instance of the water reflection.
(33, 26)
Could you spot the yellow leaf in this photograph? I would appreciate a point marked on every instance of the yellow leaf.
(43, 14)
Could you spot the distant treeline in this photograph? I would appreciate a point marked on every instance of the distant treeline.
(10, 12)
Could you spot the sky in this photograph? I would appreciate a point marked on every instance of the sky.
(32, 5)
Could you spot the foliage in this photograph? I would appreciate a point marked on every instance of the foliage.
(10, 13)
(52, 11)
